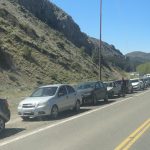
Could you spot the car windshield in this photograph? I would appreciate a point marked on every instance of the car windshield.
(86, 85)
(44, 91)
(133, 81)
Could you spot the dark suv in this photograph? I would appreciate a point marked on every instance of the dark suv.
(93, 91)
(4, 113)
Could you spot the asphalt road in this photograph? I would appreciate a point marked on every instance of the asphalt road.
(102, 127)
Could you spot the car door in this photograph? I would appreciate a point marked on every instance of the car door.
(97, 91)
(62, 98)
(71, 96)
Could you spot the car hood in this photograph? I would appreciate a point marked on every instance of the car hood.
(135, 83)
(36, 100)
(84, 91)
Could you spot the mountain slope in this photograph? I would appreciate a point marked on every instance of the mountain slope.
(56, 18)
(33, 53)
(138, 57)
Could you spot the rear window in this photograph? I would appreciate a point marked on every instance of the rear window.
(86, 85)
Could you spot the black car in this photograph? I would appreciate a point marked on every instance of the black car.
(4, 113)
(91, 92)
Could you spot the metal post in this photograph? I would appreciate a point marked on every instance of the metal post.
(100, 43)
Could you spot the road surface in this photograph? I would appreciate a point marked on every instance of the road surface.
(102, 127)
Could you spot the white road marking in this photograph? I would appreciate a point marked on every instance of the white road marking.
(64, 121)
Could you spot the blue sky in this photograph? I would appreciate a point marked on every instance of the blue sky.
(125, 23)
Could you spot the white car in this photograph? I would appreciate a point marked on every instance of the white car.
(137, 84)
(49, 100)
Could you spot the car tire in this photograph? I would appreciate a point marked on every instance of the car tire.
(77, 107)
(2, 124)
(106, 98)
(94, 100)
(119, 94)
(25, 118)
(54, 112)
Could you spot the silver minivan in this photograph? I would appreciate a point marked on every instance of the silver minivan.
(50, 100)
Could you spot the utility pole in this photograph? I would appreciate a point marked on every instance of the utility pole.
(100, 44)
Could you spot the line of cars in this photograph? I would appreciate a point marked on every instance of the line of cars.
(114, 88)
(135, 84)
(50, 100)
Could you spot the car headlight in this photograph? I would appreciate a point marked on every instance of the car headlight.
(41, 104)
(20, 105)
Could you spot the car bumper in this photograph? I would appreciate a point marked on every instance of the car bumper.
(34, 112)
(136, 88)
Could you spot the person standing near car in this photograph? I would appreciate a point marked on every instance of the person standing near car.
(123, 87)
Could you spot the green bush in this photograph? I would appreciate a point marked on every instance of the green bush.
(144, 68)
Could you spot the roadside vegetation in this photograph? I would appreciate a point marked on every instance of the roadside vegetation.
(144, 68)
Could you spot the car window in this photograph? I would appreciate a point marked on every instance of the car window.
(62, 91)
(70, 89)
(97, 86)
(86, 85)
(44, 91)
(101, 85)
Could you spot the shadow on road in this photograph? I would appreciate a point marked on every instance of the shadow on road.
(10, 131)
(100, 103)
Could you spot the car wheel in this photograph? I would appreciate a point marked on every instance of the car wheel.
(2, 124)
(94, 100)
(106, 98)
(119, 94)
(77, 107)
(25, 118)
(54, 112)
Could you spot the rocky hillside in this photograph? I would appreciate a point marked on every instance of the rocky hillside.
(41, 44)
(56, 18)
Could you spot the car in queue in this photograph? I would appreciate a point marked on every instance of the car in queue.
(137, 84)
(50, 100)
(128, 85)
(4, 114)
(92, 91)
(113, 89)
